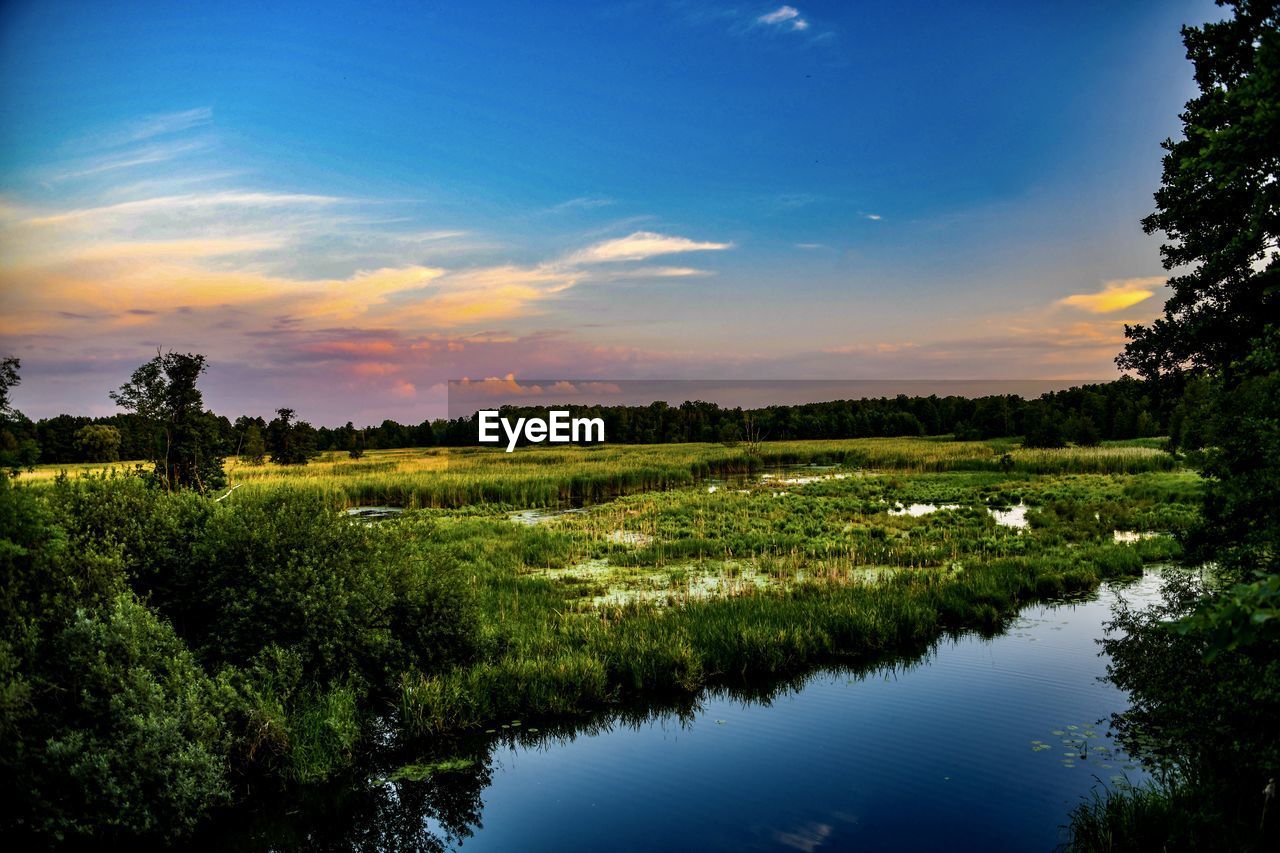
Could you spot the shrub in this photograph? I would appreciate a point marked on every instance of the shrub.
(122, 739)
(287, 570)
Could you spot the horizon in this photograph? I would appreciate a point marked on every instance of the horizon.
(347, 208)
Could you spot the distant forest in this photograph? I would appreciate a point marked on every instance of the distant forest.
(1125, 408)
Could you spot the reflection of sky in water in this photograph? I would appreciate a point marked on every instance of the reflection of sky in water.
(940, 755)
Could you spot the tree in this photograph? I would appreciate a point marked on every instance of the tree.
(1219, 208)
(1043, 430)
(355, 447)
(1219, 202)
(99, 443)
(9, 379)
(753, 435)
(730, 434)
(290, 442)
(163, 392)
(1210, 654)
(17, 450)
(253, 449)
(1083, 431)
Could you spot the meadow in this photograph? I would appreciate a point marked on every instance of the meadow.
(442, 477)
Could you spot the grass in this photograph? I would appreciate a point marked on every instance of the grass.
(554, 476)
(669, 591)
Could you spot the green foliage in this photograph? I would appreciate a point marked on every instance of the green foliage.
(253, 449)
(1204, 682)
(288, 570)
(163, 393)
(1154, 817)
(1083, 431)
(1203, 670)
(1244, 618)
(107, 725)
(1241, 529)
(1044, 431)
(10, 369)
(18, 450)
(111, 726)
(290, 442)
(293, 624)
(99, 443)
(135, 747)
(1217, 201)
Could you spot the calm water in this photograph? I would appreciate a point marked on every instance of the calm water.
(961, 749)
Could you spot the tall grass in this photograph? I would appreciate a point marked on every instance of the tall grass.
(558, 476)
(644, 649)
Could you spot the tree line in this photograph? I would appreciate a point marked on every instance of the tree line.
(1085, 415)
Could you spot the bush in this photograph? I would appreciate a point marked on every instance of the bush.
(110, 728)
(287, 570)
(122, 739)
(281, 569)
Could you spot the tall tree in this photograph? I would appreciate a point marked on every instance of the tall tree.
(253, 449)
(1219, 202)
(17, 449)
(1219, 208)
(9, 378)
(99, 443)
(163, 392)
(1202, 670)
(291, 442)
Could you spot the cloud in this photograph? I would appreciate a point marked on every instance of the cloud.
(640, 246)
(784, 16)
(1115, 295)
(869, 348)
(177, 204)
(129, 158)
(874, 217)
(146, 127)
(586, 202)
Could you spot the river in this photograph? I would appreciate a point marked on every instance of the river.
(981, 744)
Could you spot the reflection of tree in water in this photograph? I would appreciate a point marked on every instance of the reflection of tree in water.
(432, 814)
(443, 810)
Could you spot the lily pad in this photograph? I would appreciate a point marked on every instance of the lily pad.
(422, 772)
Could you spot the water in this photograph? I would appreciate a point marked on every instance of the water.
(374, 513)
(1015, 517)
(962, 749)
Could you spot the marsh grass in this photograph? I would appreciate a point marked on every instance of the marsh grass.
(557, 476)
(732, 585)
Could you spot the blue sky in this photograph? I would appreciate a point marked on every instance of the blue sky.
(381, 196)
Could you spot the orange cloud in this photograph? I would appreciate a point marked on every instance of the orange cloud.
(1115, 296)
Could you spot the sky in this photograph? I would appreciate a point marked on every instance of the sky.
(344, 206)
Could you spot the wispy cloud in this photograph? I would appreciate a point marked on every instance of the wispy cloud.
(176, 204)
(874, 217)
(129, 158)
(1115, 295)
(640, 246)
(586, 202)
(148, 127)
(786, 17)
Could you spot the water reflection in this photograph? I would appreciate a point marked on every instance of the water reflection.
(974, 743)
